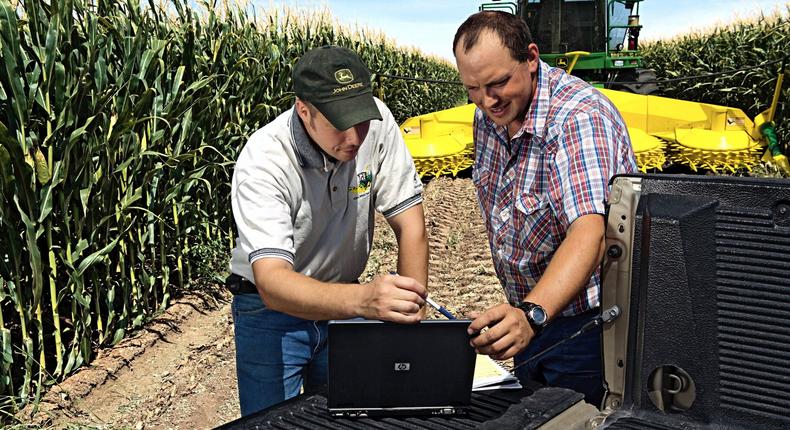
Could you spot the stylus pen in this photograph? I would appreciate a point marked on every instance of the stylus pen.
(441, 309)
(433, 304)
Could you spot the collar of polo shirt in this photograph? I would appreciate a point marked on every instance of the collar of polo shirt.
(310, 155)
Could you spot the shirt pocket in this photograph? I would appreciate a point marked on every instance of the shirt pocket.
(533, 223)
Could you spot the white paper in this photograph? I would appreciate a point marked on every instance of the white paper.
(489, 375)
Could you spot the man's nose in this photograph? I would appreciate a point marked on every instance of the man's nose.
(490, 98)
(351, 136)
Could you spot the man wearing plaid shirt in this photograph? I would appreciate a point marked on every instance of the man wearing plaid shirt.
(546, 145)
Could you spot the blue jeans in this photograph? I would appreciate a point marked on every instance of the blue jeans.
(276, 354)
(575, 364)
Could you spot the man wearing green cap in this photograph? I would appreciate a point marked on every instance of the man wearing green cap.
(304, 192)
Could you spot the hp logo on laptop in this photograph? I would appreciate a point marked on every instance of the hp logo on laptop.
(402, 367)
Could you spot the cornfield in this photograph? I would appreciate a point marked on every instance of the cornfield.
(120, 126)
(738, 45)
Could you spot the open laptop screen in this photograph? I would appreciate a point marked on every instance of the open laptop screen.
(378, 368)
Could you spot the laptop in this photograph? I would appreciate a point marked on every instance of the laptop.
(386, 369)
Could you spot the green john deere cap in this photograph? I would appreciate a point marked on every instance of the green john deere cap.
(337, 83)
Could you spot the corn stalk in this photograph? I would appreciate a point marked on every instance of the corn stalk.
(735, 46)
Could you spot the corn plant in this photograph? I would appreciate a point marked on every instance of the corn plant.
(120, 125)
(736, 46)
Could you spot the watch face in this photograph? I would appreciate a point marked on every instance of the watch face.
(538, 315)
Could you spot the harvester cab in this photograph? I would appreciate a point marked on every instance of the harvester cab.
(597, 40)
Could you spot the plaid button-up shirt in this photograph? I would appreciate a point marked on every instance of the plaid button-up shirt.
(555, 169)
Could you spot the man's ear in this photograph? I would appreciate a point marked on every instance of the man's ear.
(534, 56)
(302, 110)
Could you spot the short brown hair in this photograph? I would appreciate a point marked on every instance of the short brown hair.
(512, 31)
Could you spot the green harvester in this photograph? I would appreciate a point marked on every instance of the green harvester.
(597, 40)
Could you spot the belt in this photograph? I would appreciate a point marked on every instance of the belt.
(238, 285)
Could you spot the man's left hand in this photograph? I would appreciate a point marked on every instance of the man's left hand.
(508, 332)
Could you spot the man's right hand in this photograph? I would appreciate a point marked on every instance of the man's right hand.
(392, 298)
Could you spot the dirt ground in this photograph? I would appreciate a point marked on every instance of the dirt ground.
(179, 372)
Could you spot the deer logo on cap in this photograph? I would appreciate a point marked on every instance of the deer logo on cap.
(344, 76)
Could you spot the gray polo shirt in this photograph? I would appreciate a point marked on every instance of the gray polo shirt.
(293, 202)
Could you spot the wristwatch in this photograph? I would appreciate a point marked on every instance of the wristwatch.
(536, 316)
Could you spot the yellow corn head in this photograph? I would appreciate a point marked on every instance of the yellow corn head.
(698, 135)
(441, 142)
